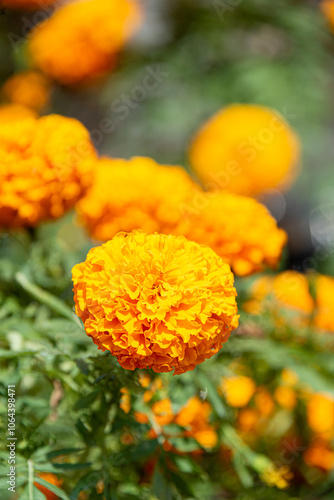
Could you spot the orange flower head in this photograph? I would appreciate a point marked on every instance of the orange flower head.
(52, 479)
(320, 414)
(125, 401)
(27, 4)
(45, 167)
(240, 230)
(194, 417)
(79, 42)
(245, 149)
(30, 89)
(238, 390)
(135, 194)
(155, 301)
(15, 112)
(319, 455)
(163, 411)
(327, 7)
(286, 397)
(324, 318)
(264, 402)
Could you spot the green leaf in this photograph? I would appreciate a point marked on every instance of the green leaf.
(63, 452)
(51, 487)
(134, 453)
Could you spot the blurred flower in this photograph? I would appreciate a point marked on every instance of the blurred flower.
(285, 397)
(264, 402)
(320, 414)
(46, 166)
(135, 194)
(324, 317)
(155, 301)
(319, 455)
(245, 149)
(163, 411)
(289, 377)
(327, 7)
(15, 112)
(52, 479)
(30, 89)
(240, 230)
(194, 417)
(277, 476)
(288, 289)
(27, 4)
(125, 402)
(79, 42)
(248, 419)
(238, 390)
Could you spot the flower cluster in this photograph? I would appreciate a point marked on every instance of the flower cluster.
(135, 194)
(240, 230)
(156, 301)
(245, 149)
(46, 165)
(80, 41)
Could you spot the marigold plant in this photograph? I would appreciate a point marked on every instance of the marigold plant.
(46, 166)
(156, 301)
(135, 194)
(245, 149)
(80, 41)
(30, 89)
(240, 230)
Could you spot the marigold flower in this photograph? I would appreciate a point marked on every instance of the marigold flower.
(248, 418)
(155, 301)
(245, 149)
(194, 417)
(286, 397)
(52, 479)
(135, 194)
(163, 411)
(240, 230)
(15, 112)
(324, 318)
(319, 455)
(320, 414)
(327, 8)
(277, 476)
(125, 402)
(238, 390)
(27, 4)
(46, 166)
(264, 402)
(70, 49)
(30, 89)
(288, 289)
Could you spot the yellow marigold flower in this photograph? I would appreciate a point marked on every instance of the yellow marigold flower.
(319, 455)
(46, 166)
(30, 89)
(240, 230)
(289, 289)
(163, 411)
(194, 417)
(27, 4)
(286, 397)
(15, 112)
(53, 480)
(320, 414)
(324, 318)
(125, 402)
(79, 42)
(277, 476)
(156, 301)
(245, 149)
(135, 194)
(289, 377)
(238, 390)
(327, 8)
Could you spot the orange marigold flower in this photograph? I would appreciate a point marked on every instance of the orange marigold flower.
(30, 89)
(123, 197)
(70, 49)
(327, 8)
(156, 301)
(238, 390)
(15, 112)
(46, 166)
(264, 402)
(248, 418)
(324, 318)
(163, 411)
(27, 4)
(52, 479)
(289, 290)
(319, 455)
(194, 417)
(286, 397)
(125, 402)
(320, 413)
(240, 230)
(245, 149)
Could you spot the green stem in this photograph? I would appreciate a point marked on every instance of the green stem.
(44, 297)
(31, 479)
